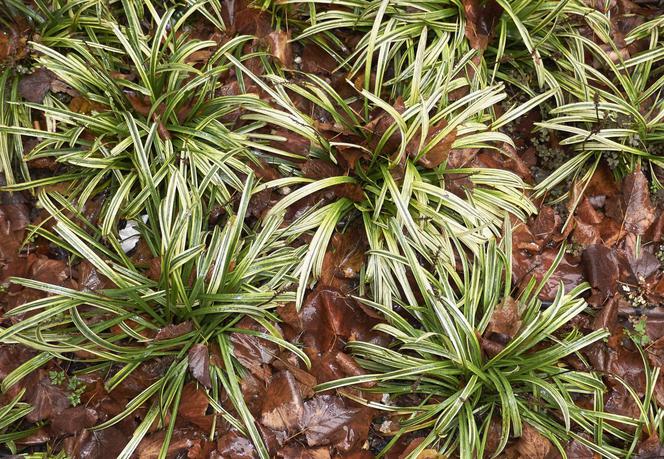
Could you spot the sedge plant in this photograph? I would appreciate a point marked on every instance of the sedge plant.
(211, 276)
(409, 177)
(455, 387)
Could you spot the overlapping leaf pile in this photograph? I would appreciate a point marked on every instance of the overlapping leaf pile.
(331, 230)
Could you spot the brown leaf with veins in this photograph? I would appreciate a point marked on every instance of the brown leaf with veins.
(280, 46)
(600, 265)
(639, 211)
(282, 406)
(577, 450)
(621, 402)
(234, 446)
(199, 364)
(47, 399)
(505, 319)
(88, 279)
(14, 41)
(48, 270)
(299, 452)
(344, 259)
(13, 355)
(96, 444)
(35, 86)
(650, 448)
(325, 420)
(531, 445)
(319, 169)
(193, 406)
(546, 223)
(139, 102)
(181, 440)
(80, 104)
(379, 126)
(252, 352)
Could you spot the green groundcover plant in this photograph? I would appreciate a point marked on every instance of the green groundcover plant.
(178, 132)
(210, 277)
(444, 374)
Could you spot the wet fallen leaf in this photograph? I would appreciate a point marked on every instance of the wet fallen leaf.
(481, 20)
(345, 257)
(181, 441)
(546, 223)
(279, 43)
(505, 319)
(14, 41)
(325, 420)
(174, 330)
(650, 448)
(531, 445)
(89, 280)
(252, 352)
(316, 60)
(639, 211)
(193, 407)
(587, 213)
(282, 407)
(35, 86)
(526, 266)
(585, 234)
(96, 444)
(139, 102)
(621, 402)
(199, 364)
(13, 355)
(234, 446)
(80, 104)
(47, 399)
(73, 420)
(345, 317)
(299, 452)
(600, 265)
(319, 169)
(381, 124)
(438, 152)
(577, 450)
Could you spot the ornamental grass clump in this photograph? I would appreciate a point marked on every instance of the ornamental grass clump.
(475, 367)
(407, 161)
(203, 277)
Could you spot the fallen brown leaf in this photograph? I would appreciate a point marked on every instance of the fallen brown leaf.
(199, 364)
(639, 211)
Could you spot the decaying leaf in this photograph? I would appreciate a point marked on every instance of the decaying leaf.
(199, 364)
(47, 399)
(279, 43)
(93, 444)
(481, 19)
(325, 419)
(601, 268)
(639, 211)
(282, 407)
(505, 319)
(174, 330)
(436, 153)
(35, 86)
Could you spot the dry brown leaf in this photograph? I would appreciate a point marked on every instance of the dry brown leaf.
(639, 211)
(199, 364)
